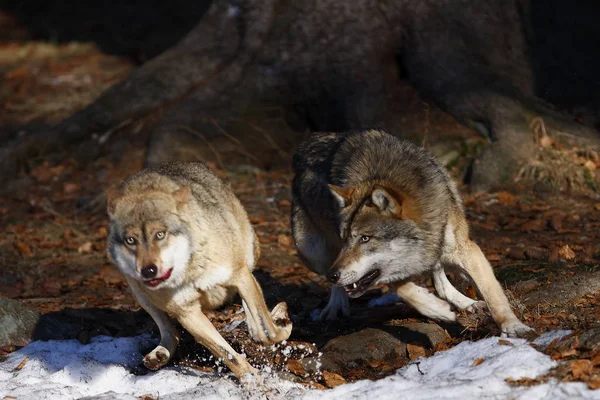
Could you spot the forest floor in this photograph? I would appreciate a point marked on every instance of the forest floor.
(545, 248)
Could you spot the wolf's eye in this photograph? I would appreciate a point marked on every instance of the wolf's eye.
(365, 239)
(160, 235)
(130, 240)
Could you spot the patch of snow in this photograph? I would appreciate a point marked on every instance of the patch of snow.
(548, 337)
(70, 370)
(451, 374)
(101, 370)
(233, 325)
(385, 300)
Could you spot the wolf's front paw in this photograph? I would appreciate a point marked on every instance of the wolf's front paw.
(515, 329)
(157, 358)
(282, 322)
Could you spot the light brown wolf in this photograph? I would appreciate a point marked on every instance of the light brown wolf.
(184, 243)
(369, 208)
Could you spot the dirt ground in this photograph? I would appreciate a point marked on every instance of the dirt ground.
(545, 248)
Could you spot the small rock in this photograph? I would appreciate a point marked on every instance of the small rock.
(590, 339)
(421, 333)
(19, 325)
(367, 345)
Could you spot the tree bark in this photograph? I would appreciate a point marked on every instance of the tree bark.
(254, 75)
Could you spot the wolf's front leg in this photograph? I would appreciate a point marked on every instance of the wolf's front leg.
(448, 292)
(199, 326)
(472, 260)
(264, 327)
(169, 337)
(424, 301)
(338, 301)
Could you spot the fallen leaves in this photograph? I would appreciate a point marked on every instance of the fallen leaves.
(23, 249)
(87, 247)
(505, 342)
(478, 361)
(566, 253)
(415, 351)
(333, 379)
(581, 368)
(534, 225)
(21, 364)
(45, 173)
(285, 240)
(296, 367)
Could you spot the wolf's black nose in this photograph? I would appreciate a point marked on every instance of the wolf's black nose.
(333, 275)
(150, 271)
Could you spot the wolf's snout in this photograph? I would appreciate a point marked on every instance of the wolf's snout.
(150, 271)
(333, 275)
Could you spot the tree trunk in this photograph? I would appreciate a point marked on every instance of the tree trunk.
(254, 75)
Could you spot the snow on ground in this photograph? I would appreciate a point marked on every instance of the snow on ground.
(101, 370)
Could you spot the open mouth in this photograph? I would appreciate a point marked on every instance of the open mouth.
(157, 281)
(359, 287)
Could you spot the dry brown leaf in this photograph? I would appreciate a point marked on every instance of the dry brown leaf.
(589, 164)
(24, 249)
(296, 367)
(594, 384)
(546, 141)
(415, 351)
(506, 198)
(332, 379)
(556, 222)
(21, 364)
(285, 240)
(566, 253)
(478, 361)
(70, 187)
(504, 342)
(581, 368)
(535, 225)
(85, 248)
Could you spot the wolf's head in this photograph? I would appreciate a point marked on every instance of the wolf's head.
(148, 240)
(382, 238)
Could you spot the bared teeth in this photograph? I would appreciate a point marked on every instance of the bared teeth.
(354, 286)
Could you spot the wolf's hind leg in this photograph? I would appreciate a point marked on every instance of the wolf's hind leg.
(169, 337)
(473, 261)
(448, 292)
(338, 301)
(425, 302)
(264, 327)
(200, 327)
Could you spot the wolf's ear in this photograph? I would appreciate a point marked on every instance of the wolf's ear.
(182, 195)
(113, 194)
(386, 200)
(342, 195)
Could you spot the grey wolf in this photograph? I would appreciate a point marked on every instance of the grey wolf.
(369, 208)
(183, 241)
